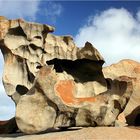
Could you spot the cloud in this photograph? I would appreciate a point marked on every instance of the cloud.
(114, 32)
(7, 106)
(53, 10)
(138, 16)
(19, 8)
(6, 113)
(30, 9)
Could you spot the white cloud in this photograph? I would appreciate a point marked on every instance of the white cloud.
(29, 9)
(7, 106)
(114, 32)
(53, 10)
(19, 8)
(138, 15)
(6, 112)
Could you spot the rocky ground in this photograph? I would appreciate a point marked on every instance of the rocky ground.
(89, 133)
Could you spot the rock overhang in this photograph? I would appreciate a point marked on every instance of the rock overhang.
(28, 46)
(50, 75)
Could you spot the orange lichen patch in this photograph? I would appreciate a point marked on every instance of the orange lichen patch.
(87, 99)
(65, 90)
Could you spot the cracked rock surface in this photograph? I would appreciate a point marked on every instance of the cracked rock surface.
(55, 84)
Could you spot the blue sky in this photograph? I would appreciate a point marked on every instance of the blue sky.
(113, 27)
(75, 14)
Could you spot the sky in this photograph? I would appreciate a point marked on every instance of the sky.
(113, 27)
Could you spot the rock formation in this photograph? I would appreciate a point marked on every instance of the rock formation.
(56, 84)
(130, 69)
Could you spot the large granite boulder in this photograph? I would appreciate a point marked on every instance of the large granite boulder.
(131, 69)
(56, 84)
(27, 47)
(53, 102)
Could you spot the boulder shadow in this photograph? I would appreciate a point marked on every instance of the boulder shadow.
(133, 119)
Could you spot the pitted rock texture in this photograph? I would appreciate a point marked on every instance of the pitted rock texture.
(29, 46)
(56, 84)
(131, 69)
(61, 108)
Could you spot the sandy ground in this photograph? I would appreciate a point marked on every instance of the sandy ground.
(90, 133)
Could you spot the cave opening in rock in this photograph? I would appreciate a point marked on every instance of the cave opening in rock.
(83, 70)
(21, 89)
(17, 31)
(7, 106)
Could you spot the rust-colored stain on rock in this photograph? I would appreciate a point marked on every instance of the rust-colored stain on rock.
(65, 90)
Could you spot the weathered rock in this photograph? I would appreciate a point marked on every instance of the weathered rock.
(131, 69)
(29, 46)
(21, 56)
(61, 108)
(56, 84)
(9, 126)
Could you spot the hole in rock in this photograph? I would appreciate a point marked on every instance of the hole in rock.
(18, 31)
(7, 106)
(82, 70)
(117, 105)
(31, 77)
(34, 47)
(39, 67)
(38, 37)
(21, 89)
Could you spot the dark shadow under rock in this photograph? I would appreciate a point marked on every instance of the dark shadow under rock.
(133, 118)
